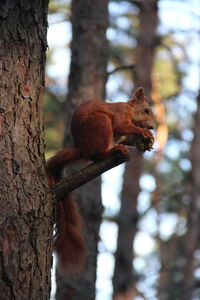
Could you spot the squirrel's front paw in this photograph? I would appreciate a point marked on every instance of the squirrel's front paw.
(144, 140)
(142, 144)
(146, 133)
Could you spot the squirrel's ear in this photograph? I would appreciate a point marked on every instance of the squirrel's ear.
(138, 96)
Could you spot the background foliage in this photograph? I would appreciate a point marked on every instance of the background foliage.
(166, 201)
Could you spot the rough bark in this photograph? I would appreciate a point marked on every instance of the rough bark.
(86, 81)
(25, 211)
(124, 277)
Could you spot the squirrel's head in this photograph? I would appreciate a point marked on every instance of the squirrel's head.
(142, 112)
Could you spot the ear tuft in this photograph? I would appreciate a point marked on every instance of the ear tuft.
(138, 97)
(139, 93)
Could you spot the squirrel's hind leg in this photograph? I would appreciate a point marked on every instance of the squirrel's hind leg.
(94, 137)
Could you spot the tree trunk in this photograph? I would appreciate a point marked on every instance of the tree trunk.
(191, 240)
(124, 278)
(86, 81)
(177, 256)
(25, 211)
(89, 57)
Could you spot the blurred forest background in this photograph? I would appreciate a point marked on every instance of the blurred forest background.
(149, 244)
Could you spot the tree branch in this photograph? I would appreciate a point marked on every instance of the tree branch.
(135, 2)
(77, 179)
(120, 68)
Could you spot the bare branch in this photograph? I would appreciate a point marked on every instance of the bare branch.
(134, 2)
(77, 179)
(120, 68)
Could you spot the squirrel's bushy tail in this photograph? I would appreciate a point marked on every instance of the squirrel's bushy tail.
(69, 242)
(56, 164)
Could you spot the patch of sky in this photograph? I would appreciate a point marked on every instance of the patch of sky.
(108, 233)
(110, 188)
(146, 286)
(148, 223)
(55, 18)
(61, 62)
(192, 79)
(113, 85)
(187, 135)
(118, 89)
(193, 47)
(117, 16)
(143, 243)
(105, 267)
(164, 167)
(122, 7)
(123, 22)
(150, 278)
(174, 148)
(147, 183)
(148, 292)
(150, 154)
(53, 278)
(119, 37)
(185, 164)
(167, 224)
(184, 146)
(197, 273)
(139, 263)
(188, 32)
(186, 104)
(177, 52)
(59, 34)
(61, 57)
(143, 202)
(188, 10)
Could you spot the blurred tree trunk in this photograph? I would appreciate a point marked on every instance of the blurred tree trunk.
(191, 239)
(124, 278)
(89, 57)
(178, 262)
(87, 80)
(26, 215)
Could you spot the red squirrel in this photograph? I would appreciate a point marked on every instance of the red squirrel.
(97, 129)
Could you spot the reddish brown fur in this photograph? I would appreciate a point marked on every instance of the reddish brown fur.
(56, 163)
(96, 126)
(93, 129)
(69, 243)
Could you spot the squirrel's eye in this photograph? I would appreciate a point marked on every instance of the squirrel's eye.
(146, 110)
